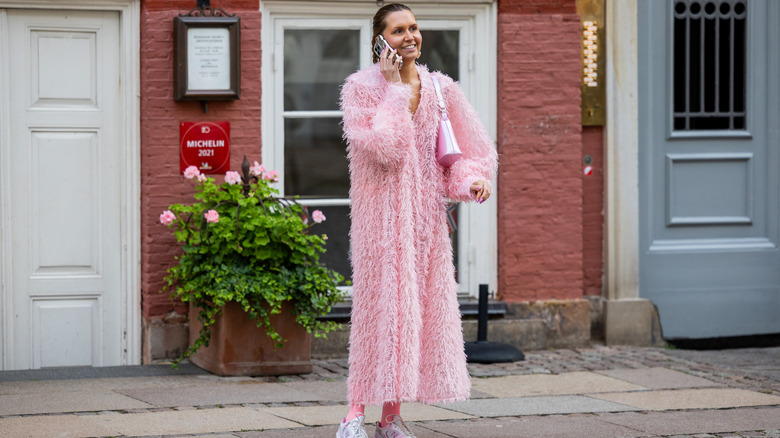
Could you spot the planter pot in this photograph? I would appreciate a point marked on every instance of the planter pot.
(238, 347)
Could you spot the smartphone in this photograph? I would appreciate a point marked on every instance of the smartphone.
(380, 45)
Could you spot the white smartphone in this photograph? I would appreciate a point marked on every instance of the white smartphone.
(380, 45)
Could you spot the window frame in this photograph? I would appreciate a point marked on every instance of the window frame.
(477, 21)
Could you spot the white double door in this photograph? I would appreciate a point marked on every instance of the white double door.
(60, 163)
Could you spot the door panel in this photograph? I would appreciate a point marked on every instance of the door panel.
(708, 166)
(65, 147)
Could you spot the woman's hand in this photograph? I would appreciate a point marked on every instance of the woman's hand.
(388, 66)
(481, 190)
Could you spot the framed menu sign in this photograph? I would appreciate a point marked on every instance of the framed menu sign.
(207, 58)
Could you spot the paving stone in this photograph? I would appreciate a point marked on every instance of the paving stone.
(716, 398)
(552, 426)
(324, 415)
(659, 378)
(560, 384)
(47, 426)
(699, 421)
(565, 404)
(224, 394)
(301, 432)
(329, 431)
(66, 401)
(322, 390)
(198, 421)
(48, 386)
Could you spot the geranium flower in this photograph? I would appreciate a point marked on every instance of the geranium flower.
(212, 216)
(191, 172)
(257, 169)
(232, 177)
(201, 177)
(271, 175)
(167, 217)
(318, 216)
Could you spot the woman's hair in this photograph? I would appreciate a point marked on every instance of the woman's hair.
(380, 24)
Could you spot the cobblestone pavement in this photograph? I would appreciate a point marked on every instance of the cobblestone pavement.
(596, 358)
(756, 434)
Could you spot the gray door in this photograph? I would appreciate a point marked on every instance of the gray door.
(708, 165)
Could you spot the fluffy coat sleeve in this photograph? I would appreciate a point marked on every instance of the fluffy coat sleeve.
(479, 160)
(377, 121)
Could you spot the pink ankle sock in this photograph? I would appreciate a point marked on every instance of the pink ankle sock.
(388, 411)
(354, 411)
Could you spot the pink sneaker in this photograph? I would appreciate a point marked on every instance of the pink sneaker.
(353, 428)
(395, 429)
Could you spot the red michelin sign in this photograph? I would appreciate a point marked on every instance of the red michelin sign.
(205, 145)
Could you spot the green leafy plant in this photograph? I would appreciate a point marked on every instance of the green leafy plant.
(243, 243)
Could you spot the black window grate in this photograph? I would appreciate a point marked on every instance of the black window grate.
(709, 65)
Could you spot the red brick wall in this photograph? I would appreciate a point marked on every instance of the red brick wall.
(161, 183)
(593, 211)
(536, 7)
(540, 214)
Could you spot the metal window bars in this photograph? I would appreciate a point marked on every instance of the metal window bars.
(709, 64)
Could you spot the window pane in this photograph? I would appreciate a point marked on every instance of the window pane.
(440, 51)
(316, 63)
(315, 158)
(336, 227)
(452, 219)
(709, 65)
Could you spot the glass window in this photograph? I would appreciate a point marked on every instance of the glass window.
(308, 51)
(336, 227)
(709, 65)
(440, 50)
(316, 63)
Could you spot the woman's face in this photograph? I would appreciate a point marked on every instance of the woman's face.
(402, 33)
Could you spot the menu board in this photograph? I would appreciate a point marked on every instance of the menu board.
(208, 58)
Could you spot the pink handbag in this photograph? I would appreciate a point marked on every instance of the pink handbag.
(447, 150)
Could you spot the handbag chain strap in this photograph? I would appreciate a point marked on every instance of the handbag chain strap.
(438, 93)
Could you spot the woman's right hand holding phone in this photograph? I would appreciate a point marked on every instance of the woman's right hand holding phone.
(388, 65)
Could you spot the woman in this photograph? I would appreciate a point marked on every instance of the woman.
(406, 342)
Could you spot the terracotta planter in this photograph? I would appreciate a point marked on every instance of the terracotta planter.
(238, 347)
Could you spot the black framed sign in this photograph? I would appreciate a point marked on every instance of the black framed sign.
(207, 58)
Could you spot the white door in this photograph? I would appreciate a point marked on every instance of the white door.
(64, 295)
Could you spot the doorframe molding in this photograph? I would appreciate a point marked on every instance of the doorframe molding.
(628, 319)
(5, 181)
(130, 113)
(622, 151)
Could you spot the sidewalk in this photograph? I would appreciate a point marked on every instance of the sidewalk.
(595, 392)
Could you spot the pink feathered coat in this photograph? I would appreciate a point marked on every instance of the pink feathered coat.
(406, 342)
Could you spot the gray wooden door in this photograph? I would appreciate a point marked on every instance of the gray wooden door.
(708, 165)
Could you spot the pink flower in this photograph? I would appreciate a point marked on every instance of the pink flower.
(166, 218)
(201, 177)
(191, 172)
(271, 175)
(212, 216)
(232, 177)
(318, 216)
(257, 169)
